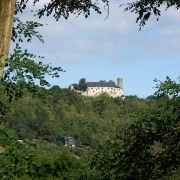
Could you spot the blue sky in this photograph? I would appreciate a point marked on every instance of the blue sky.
(98, 49)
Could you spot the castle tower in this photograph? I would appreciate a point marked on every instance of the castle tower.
(120, 83)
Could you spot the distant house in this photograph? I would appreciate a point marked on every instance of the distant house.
(68, 141)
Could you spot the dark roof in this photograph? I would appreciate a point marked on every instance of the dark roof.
(68, 140)
(101, 84)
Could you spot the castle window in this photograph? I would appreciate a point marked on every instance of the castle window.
(101, 91)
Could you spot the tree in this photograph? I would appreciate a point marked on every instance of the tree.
(149, 147)
(18, 158)
(82, 84)
(145, 8)
(6, 23)
(101, 102)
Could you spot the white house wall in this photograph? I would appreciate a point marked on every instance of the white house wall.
(96, 91)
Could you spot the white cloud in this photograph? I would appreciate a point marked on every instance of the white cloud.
(116, 39)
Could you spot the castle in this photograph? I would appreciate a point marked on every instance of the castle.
(94, 89)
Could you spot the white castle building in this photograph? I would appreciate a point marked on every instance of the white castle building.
(94, 89)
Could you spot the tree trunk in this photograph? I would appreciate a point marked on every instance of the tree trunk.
(7, 8)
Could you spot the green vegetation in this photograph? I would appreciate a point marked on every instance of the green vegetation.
(148, 148)
(144, 9)
(82, 86)
(115, 139)
(62, 112)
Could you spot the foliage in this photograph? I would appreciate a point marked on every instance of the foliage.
(100, 103)
(20, 161)
(147, 132)
(17, 158)
(91, 121)
(72, 6)
(25, 30)
(145, 8)
(61, 166)
(145, 149)
(19, 81)
(60, 8)
(22, 74)
(82, 84)
(21, 69)
(149, 147)
(56, 8)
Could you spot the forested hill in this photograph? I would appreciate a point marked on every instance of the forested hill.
(91, 121)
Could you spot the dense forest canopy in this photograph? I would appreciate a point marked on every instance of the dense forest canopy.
(64, 112)
(135, 138)
(131, 136)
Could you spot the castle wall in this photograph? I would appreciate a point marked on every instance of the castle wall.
(96, 91)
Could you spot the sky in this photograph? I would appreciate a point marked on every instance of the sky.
(101, 48)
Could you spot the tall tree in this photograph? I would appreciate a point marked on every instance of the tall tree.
(7, 8)
(82, 84)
